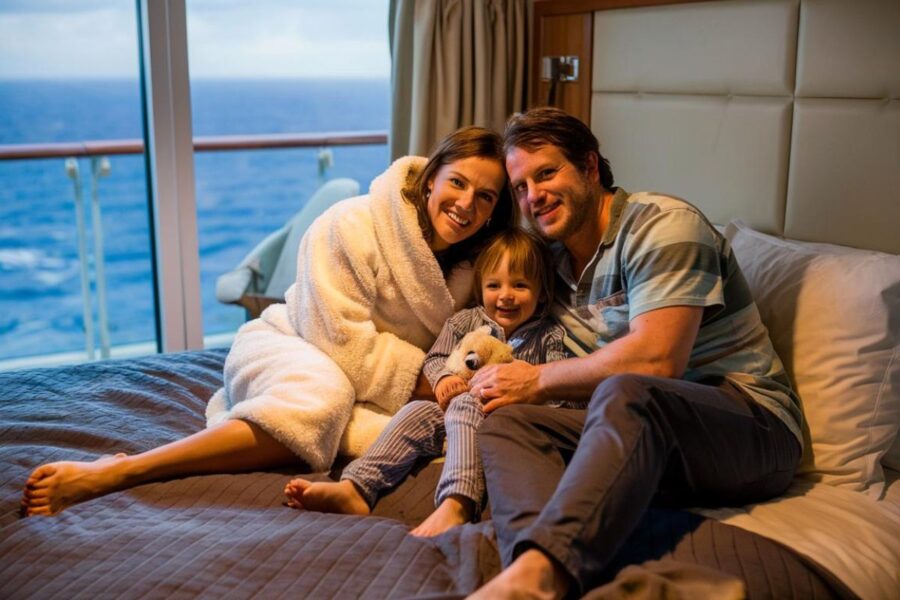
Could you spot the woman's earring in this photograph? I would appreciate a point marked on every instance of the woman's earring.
(488, 222)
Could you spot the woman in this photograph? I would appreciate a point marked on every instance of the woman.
(377, 276)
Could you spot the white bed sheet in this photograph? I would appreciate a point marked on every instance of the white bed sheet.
(853, 536)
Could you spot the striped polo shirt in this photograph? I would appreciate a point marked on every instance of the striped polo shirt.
(661, 251)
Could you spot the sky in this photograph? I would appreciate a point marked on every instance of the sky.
(226, 38)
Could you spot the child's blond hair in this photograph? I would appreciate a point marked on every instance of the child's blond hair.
(528, 254)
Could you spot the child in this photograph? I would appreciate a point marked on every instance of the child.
(513, 278)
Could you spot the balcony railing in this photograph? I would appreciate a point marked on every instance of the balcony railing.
(99, 150)
(201, 144)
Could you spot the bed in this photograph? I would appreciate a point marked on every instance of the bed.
(769, 147)
(230, 535)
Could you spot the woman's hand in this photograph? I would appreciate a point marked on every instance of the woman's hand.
(449, 388)
(423, 390)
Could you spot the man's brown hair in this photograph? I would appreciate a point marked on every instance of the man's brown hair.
(548, 126)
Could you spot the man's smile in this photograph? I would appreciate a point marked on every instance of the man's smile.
(546, 209)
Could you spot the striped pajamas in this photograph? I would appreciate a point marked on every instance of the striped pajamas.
(420, 427)
(418, 431)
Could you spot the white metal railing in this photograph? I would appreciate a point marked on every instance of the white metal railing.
(100, 167)
(201, 144)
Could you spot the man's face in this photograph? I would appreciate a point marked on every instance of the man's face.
(553, 194)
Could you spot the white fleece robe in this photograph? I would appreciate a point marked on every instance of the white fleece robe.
(348, 345)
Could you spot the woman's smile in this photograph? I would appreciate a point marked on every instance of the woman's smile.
(458, 219)
(462, 198)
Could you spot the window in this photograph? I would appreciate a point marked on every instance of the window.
(80, 284)
(278, 67)
(75, 268)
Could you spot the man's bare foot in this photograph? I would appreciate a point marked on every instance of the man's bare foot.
(531, 576)
(55, 486)
(326, 496)
(453, 511)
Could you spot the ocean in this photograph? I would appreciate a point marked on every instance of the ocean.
(241, 196)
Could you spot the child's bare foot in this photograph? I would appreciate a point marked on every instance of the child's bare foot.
(453, 511)
(55, 486)
(326, 496)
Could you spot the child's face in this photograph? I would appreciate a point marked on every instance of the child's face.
(510, 299)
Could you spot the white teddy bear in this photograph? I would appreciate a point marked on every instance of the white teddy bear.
(475, 350)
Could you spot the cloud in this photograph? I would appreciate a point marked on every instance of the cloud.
(101, 42)
(52, 6)
(226, 39)
(295, 39)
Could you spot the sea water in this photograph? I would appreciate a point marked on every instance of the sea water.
(242, 196)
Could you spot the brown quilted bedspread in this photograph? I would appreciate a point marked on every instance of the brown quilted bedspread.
(230, 536)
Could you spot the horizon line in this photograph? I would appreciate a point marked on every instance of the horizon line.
(5, 78)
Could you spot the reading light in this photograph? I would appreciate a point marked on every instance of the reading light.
(555, 69)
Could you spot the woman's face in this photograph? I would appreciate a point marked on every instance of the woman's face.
(462, 197)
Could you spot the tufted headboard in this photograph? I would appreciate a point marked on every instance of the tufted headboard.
(784, 113)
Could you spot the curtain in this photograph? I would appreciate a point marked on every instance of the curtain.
(454, 63)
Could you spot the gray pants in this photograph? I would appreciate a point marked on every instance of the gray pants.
(575, 483)
(418, 431)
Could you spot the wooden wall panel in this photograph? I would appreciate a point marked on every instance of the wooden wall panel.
(563, 35)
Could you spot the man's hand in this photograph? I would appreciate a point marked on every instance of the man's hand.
(449, 388)
(512, 383)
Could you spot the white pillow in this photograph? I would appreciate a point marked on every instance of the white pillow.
(834, 317)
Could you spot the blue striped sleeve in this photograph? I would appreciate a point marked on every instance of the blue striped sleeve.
(673, 260)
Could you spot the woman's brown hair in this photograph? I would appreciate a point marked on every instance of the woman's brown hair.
(467, 142)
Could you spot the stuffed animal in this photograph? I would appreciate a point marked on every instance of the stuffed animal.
(477, 349)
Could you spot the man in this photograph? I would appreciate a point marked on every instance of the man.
(688, 398)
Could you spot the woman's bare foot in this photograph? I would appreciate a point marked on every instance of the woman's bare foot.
(531, 576)
(55, 486)
(326, 496)
(453, 511)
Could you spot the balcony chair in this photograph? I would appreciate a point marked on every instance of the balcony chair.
(269, 269)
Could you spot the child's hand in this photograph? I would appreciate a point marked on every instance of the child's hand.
(449, 388)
